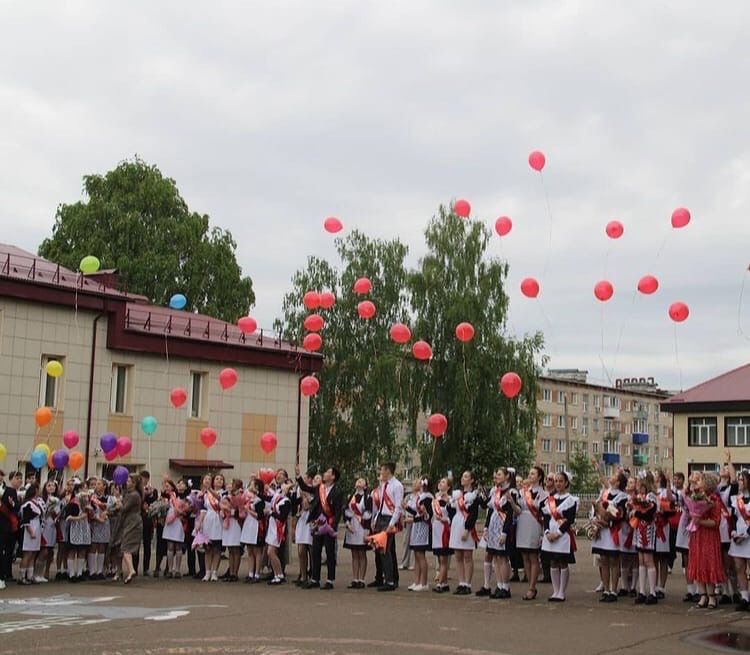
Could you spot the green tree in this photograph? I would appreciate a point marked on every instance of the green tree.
(585, 477)
(361, 406)
(134, 219)
(457, 282)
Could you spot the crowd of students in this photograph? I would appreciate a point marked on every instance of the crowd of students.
(94, 529)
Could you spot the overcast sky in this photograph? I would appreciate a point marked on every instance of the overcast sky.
(272, 116)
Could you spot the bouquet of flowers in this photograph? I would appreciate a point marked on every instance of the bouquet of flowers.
(697, 505)
(322, 527)
(226, 510)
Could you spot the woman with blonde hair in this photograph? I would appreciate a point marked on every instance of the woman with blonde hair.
(705, 564)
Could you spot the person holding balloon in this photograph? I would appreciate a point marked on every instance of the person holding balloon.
(52, 508)
(128, 533)
(77, 514)
(253, 529)
(100, 529)
(211, 523)
(32, 511)
(277, 511)
(174, 528)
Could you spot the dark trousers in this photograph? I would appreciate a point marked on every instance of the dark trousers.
(188, 545)
(329, 543)
(161, 546)
(7, 552)
(388, 560)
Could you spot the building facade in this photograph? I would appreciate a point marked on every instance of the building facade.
(710, 419)
(121, 358)
(623, 425)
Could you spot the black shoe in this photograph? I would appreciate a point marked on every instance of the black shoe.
(651, 600)
(327, 586)
(496, 593)
(632, 593)
(385, 587)
(199, 576)
(311, 585)
(688, 598)
(354, 585)
(441, 589)
(736, 598)
(640, 600)
(249, 580)
(742, 605)
(514, 577)
(483, 592)
(276, 581)
(725, 600)
(622, 593)
(660, 595)
(375, 583)
(604, 598)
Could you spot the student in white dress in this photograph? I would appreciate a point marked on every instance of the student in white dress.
(231, 531)
(174, 528)
(53, 507)
(303, 536)
(529, 527)
(682, 542)
(464, 538)
(727, 488)
(32, 511)
(608, 513)
(357, 514)
(628, 551)
(739, 549)
(277, 510)
(442, 514)
(664, 513)
(211, 524)
(419, 515)
(558, 545)
(253, 533)
(642, 512)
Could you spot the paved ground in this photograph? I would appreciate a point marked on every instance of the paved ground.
(162, 617)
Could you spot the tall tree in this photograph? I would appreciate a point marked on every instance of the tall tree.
(457, 282)
(585, 478)
(134, 219)
(361, 407)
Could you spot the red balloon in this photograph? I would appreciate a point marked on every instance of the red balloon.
(400, 333)
(124, 446)
(227, 378)
(178, 397)
(604, 290)
(267, 475)
(366, 309)
(537, 160)
(247, 324)
(464, 332)
(362, 286)
(71, 439)
(678, 311)
(510, 384)
(208, 437)
(437, 424)
(333, 225)
(648, 284)
(314, 323)
(680, 217)
(462, 208)
(530, 287)
(311, 300)
(268, 442)
(421, 350)
(309, 385)
(312, 342)
(503, 225)
(614, 229)
(111, 456)
(327, 300)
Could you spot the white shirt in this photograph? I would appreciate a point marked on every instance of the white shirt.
(396, 493)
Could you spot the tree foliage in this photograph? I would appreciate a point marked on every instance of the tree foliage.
(585, 477)
(134, 219)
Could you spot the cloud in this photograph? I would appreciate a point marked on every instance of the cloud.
(271, 117)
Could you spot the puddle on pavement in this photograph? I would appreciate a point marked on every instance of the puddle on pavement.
(728, 641)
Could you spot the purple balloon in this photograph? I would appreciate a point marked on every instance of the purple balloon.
(108, 442)
(60, 459)
(120, 476)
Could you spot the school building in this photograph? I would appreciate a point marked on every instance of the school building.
(121, 358)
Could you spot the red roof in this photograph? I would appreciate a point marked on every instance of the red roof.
(733, 386)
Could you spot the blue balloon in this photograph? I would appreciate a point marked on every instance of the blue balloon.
(108, 442)
(120, 475)
(178, 301)
(149, 425)
(38, 459)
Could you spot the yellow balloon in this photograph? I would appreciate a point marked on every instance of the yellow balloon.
(89, 265)
(3, 451)
(54, 368)
(44, 447)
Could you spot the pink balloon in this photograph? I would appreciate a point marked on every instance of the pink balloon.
(71, 439)
(537, 160)
(111, 456)
(309, 385)
(327, 300)
(362, 286)
(648, 284)
(124, 446)
(614, 229)
(366, 309)
(680, 217)
(400, 333)
(437, 424)
(228, 378)
(462, 208)
(311, 300)
(247, 324)
(530, 287)
(314, 323)
(510, 384)
(268, 442)
(604, 290)
(678, 312)
(312, 342)
(421, 350)
(464, 332)
(178, 397)
(333, 225)
(503, 225)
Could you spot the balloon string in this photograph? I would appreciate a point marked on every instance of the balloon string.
(548, 323)
(466, 375)
(677, 355)
(740, 331)
(622, 329)
(549, 216)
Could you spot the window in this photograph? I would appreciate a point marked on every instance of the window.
(702, 431)
(574, 398)
(627, 450)
(545, 467)
(597, 401)
(561, 421)
(702, 468)
(559, 468)
(627, 405)
(119, 396)
(595, 447)
(561, 397)
(583, 448)
(49, 387)
(546, 395)
(656, 454)
(640, 425)
(546, 445)
(561, 445)
(596, 425)
(584, 426)
(574, 422)
(547, 421)
(196, 394)
(607, 425)
(737, 431)
(585, 398)
(610, 446)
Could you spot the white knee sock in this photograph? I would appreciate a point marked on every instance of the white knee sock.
(652, 581)
(100, 563)
(564, 578)
(554, 575)
(71, 567)
(691, 588)
(92, 563)
(642, 580)
(487, 574)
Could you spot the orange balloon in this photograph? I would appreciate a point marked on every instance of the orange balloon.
(43, 416)
(75, 461)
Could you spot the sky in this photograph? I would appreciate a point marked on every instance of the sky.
(273, 116)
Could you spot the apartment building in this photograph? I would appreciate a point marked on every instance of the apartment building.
(621, 425)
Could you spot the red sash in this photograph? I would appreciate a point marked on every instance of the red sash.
(324, 505)
(552, 503)
(354, 507)
(661, 522)
(213, 502)
(437, 510)
(387, 500)
(614, 528)
(531, 506)
(497, 501)
(741, 508)
(280, 525)
(465, 512)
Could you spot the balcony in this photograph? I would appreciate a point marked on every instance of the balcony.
(612, 435)
(640, 438)
(611, 458)
(640, 460)
(611, 412)
(640, 414)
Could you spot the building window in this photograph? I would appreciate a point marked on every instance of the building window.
(561, 445)
(547, 421)
(559, 468)
(573, 398)
(737, 431)
(627, 451)
(545, 467)
(49, 387)
(583, 448)
(584, 426)
(702, 431)
(119, 396)
(597, 401)
(546, 395)
(561, 397)
(546, 445)
(702, 468)
(561, 421)
(595, 447)
(197, 389)
(574, 422)
(596, 425)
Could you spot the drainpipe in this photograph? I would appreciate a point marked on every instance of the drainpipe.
(299, 417)
(89, 416)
